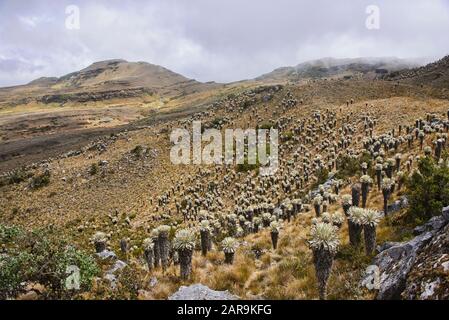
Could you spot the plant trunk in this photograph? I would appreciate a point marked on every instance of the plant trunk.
(365, 190)
(323, 260)
(157, 252)
(100, 246)
(355, 195)
(370, 239)
(149, 257)
(317, 210)
(355, 233)
(346, 209)
(164, 247)
(204, 234)
(379, 178)
(274, 239)
(185, 263)
(229, 257)
(386, 194)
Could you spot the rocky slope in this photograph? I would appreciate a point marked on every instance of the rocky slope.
(368, 68)
(434, 74)
(105, 80)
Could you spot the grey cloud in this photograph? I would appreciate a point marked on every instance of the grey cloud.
(213, 40)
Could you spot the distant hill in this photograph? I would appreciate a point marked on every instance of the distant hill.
(106, 79)
(339, 68)
(434, 74)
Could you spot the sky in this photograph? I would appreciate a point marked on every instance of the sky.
(211, 40)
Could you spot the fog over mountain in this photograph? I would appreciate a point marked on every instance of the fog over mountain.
(212, 41)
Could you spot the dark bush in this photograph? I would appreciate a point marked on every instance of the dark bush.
(427, 190)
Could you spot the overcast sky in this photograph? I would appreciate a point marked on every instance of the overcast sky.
(207, 40)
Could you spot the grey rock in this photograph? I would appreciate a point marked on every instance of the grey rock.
(398, 205)
(445, 213)
(112, 280)
(153, 282)
(386, 245)
(201, 292)
(107, 254)
(434, 224)
(394, 265)
(118, 265)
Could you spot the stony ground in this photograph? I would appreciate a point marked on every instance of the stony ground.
(125, 185)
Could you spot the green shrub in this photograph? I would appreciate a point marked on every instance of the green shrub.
(93, 170)
(347, 167)
(427, 190)
(42, 256)
(40, 180)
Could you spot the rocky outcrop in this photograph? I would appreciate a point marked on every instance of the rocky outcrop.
(201, 292)
(94, 96)
(419, 268)
(429, 275)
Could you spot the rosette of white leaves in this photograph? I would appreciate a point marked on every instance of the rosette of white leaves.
(184, 240)
(204, 225)
(324, 236)
(317, 200)
(257, 221)
(366, 179)
(164, 229)
(266, 216)
(315, 220)
(154, 233)
(346, 199)
(356, 215)
(386, 184)
(239, 232)
(229, 245)
(371, 217)
(148, 244)
(337, 218)
(326, 217)
(274, 226)
(100, 237)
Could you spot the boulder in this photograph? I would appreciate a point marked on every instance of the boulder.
(201, 292)
(426, 254)
(106, 254)
(429, 275)
(394, 265)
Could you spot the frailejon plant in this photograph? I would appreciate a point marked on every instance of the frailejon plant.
(229, 246)
(337, 219)
(355, 190)
(365, 180)
(100, 239)
(324, 244)
(184, 244)
(355, 226)
(148, 250)
(317, 204)
(274, 231)
(204, 235)
(400, 178)
(370, 220)
(157, 253)
(164, 245)
(387, 185)
(346, 203)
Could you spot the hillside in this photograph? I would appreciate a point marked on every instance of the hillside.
(368, 68)
(102, 81)
(434, 74)
(118, 193)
